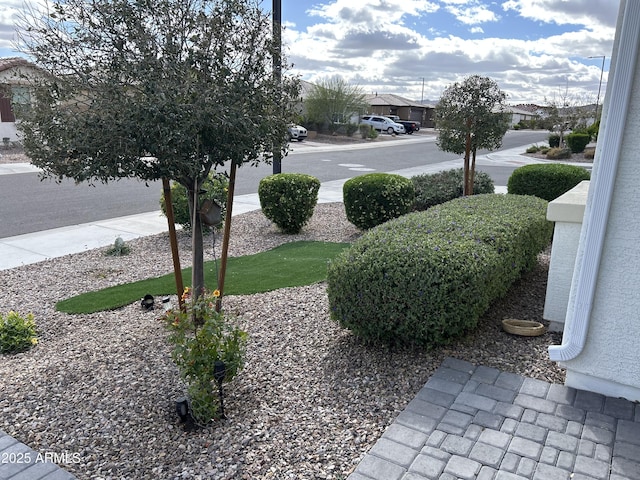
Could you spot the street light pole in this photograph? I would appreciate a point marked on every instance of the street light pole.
(277, 71)
(595, 119)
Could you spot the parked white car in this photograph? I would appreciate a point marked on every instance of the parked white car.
(296, 132)
(382, 124)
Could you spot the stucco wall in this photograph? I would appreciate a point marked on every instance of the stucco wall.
(610, 360)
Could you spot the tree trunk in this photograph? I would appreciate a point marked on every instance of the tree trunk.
(472, 173)
(197, 249)
(467, 154)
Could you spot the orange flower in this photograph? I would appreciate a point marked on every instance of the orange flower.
(216, 293)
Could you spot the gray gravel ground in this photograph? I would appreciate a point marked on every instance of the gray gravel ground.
(310, 402)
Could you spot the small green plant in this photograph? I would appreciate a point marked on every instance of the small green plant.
(17, 332)
(118, 248)
(374, 198)
(544, 149)
(288, 199)
(201, 336)
(350, 129)
(533, 149)
(215, 188)
(547, 181)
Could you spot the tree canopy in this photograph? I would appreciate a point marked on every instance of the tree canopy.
(152, 89)
(470, 116)
(334, 101)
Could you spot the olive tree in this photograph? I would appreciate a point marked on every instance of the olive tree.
(153, 89)
(333, 100)
(470, 115)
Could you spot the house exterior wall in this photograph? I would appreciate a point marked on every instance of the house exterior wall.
(15, 76)
(609, 361)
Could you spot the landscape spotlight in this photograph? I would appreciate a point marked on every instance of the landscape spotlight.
(147, 302)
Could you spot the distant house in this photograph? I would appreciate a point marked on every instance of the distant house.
(390, 104)
(14, 89)
(520, 115)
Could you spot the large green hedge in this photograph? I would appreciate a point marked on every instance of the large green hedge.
(546, 180)
(427, 277)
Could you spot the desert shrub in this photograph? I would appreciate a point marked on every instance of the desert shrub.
(435, 188)
(577, 141)
(214, 188)
(118, 248)
(367, 131)
(557, 153)
(589, 153)
(533, 149)
(17, 332)
(427, 277)
(374, 198)
(554, 140)
(547, 181)
(288, 199)
(544, 150)
(350, 129)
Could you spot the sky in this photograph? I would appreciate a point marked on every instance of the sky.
(536, 50)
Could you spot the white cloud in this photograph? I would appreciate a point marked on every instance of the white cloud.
(563, 12)
(470, 12)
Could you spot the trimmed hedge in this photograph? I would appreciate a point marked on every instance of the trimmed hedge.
(427, 277)
(375, 198)
(288, 199)
(547, 181)
(577, 141)
(436, 188)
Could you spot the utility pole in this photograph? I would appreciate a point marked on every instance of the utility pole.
(277, 71)
(595, 119)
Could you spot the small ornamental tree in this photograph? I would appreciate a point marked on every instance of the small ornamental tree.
(153, 89)
(471, 115)
(333, 101)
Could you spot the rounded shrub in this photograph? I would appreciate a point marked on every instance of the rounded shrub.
(427, 277)
(554, 140)
(214, 188)
(435, 188)
(288, 199)
(547, 180)
(375, 198)
(578, 141)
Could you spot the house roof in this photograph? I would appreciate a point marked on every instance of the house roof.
(11, 62)
(390, 99)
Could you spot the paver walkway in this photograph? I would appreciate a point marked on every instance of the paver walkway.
(475, 422)
(19, 462)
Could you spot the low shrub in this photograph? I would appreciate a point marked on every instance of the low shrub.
(427, 277)
(544, 150)
(215, 188)
(367, 131)
(288, 199)
(435, 188)
(557, 153)
(375, 198)
(533, 149)
(577, 141)
(554, 140)
(17, 332)
(547, 181)
(202, 337)
(350, 129)
(118, 248)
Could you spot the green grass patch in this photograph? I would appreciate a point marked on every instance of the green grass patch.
(289, 265)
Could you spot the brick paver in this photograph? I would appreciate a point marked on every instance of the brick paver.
(19, 462)
(477, 422)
